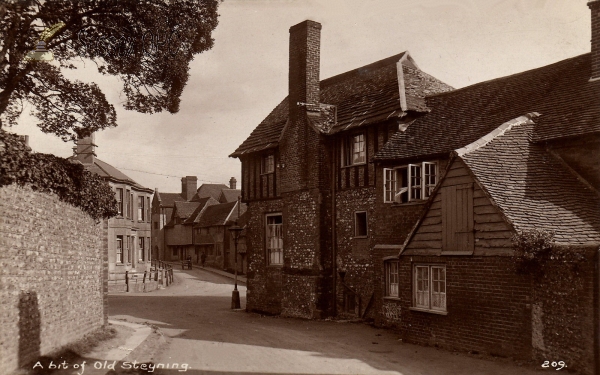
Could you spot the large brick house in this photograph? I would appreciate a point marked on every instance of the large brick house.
(310, 184)
(128, 233)
(521, 155)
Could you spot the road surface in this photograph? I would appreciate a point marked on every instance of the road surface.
(204, 336)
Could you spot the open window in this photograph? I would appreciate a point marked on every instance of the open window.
(410, 182)
(360, 224)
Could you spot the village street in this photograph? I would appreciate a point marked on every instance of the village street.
(203, 332)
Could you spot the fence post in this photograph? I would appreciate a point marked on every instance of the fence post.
(144, 280)
(127, 281)
(155, 274)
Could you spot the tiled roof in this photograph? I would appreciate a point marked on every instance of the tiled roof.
(229, 195)
(209, 190)
(202, 203)
(568, 103)
(183, 210)
(107, 171)
(533, 189)
(169, 199)
(216, 214)
(362, 96)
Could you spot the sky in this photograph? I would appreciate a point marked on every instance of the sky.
(235, 85)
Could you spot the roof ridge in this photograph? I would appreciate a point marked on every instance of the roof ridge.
(374, 65)
(564, 61)
(499, 131)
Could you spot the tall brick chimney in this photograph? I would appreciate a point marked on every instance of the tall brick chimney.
(298, 153)
(189, 185)
(85, 150)
(232, 183)
(595, 8)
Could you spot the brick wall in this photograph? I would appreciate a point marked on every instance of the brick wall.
(492, 309)
(53, 282)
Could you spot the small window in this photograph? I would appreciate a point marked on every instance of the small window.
(119, 249)
(119, 196)
(354, 150)
(409, 183)
(430, 287)
(127, 204)
(360, 224)
(274, 238)
(391, 278)
(268, 164)
(129, 246)
(141, 249)
(174, 252)
(148, 209)
(140, 208)
(148, 248)
(131, 206)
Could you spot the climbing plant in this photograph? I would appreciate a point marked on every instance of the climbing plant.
(52, 174)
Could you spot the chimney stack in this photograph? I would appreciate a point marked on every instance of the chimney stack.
(86, 149)
(594, 6)
(189, 185)
(232, 182)
(305, 40)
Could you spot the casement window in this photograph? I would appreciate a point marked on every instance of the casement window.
(391, 278)
(140, 208)
(267, 164)
(354, 150)
(119, 196)
(411, 182)
(274, 237)
(141, 249)
(360, 224)
(429, 290)
(119, 249)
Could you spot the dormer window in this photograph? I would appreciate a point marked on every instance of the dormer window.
(267, 164)
(410, 182)
(354, 150)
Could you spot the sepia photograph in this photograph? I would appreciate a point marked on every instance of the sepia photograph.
(211, 187)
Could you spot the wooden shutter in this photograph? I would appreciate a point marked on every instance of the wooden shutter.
(457, 219)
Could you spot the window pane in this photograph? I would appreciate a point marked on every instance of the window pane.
(275, 239)
(415, 181)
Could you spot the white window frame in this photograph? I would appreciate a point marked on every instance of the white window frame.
(141, 209)
(429, 287)
(119, 258)
(141, 249)
(354, 150)
(119, 196)
(393, 191)
(392, 284)
(274, 244)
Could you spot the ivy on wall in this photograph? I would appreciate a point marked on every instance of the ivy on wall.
(51, 174)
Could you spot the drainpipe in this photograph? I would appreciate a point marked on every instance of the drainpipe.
(333, 230)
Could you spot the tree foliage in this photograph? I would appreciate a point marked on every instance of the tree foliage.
(148, 44)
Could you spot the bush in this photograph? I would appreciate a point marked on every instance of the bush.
(531, 249)
(71, 182)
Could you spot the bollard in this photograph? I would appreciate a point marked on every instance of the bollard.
(127, 281)
(156, 274)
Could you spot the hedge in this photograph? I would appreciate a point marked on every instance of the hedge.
(70, 181)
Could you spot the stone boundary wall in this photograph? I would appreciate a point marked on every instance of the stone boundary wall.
(52, 268)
